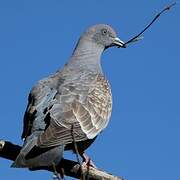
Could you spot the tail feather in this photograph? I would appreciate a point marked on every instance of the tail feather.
(29, 158)
(28, 145)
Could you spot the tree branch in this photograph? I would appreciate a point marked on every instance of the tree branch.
(70, 168)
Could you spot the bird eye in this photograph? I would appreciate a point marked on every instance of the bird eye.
(104, 31)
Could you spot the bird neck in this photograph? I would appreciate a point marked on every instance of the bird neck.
(87, 56)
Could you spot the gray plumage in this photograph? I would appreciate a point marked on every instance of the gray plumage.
(78, 97)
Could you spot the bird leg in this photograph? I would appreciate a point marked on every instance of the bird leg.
(58, 175)
(87, 160)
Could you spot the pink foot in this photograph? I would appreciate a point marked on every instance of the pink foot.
(87, 161)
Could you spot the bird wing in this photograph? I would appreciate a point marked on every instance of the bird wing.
(39, 99)
(81, 111)
(78, 108)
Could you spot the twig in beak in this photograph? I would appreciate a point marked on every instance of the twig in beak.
(138, 36)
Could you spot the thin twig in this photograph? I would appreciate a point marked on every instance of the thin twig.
(137, 37)
(77, 152)
(75, 145)
(56, 174)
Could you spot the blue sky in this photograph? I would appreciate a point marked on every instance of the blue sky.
(142, 140)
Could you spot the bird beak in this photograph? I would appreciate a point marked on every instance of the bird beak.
(117, 42)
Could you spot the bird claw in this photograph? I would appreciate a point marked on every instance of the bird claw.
(87, 161)
(58, 175)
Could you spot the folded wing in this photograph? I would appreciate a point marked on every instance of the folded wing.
(79, 107)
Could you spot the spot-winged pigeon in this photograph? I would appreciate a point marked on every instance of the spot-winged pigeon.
(74, 103)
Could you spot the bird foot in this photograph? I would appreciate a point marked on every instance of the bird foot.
(57, 176)
(87, 161)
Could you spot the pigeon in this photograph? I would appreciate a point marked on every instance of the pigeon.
(70, 107)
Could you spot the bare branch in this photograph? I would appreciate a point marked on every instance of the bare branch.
(71, 168)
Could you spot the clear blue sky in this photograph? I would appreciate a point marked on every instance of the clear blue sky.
(142, 140)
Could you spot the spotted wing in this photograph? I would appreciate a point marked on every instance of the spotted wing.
(80, 110)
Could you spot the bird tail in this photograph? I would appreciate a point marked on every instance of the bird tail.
(20, 161)
(32, 156)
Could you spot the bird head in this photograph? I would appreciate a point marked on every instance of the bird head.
(103, 35)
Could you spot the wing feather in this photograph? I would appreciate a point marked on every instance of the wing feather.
(87, 111)
(82, 102)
